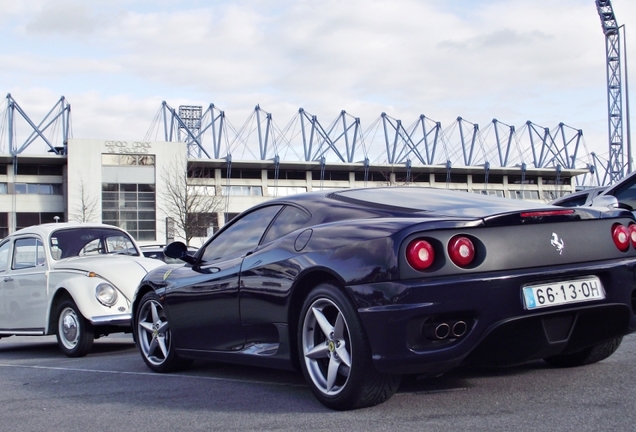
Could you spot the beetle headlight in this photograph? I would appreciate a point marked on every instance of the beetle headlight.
(106, 294)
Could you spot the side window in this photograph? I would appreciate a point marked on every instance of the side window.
(626, 194)
(4, 256)
(290, 219)
(28, 252)
(244, 234)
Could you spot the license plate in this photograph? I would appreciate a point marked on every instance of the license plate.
(558, 293)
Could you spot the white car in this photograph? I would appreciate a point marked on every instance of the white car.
(69, 279)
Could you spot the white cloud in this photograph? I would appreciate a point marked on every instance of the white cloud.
(115, 61)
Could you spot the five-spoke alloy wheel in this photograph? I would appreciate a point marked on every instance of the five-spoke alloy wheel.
(154, 338)
(335, 355)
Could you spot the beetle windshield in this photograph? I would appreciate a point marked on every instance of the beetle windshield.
(85, 241)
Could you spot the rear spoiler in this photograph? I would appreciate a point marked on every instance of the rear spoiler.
(556, 214)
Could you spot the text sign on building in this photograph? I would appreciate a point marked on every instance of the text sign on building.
(134, 147)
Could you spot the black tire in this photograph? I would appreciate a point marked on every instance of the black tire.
(74, 333)
(335, 356)
(154, 338)
(587, 356)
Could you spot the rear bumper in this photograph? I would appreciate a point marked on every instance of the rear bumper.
(400, 318)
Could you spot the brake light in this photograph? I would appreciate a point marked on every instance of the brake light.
(621, 236)
(461, 250)
(543, 213)
(632, 234)
(420, 254)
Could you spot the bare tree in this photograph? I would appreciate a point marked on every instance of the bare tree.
(87, 210)
(189, 201)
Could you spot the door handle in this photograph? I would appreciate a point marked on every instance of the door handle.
(8, 279)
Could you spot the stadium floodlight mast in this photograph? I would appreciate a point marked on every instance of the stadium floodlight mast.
(616, 164)
(191, 117)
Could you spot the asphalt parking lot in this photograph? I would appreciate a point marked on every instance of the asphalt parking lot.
(112, 390)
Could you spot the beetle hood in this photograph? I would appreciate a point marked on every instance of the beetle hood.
(120, 270)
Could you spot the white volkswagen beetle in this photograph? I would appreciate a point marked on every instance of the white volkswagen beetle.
(69, 279)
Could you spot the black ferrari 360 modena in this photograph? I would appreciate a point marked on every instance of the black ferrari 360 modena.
(357, 287)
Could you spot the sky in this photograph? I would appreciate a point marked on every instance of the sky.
(115, 61)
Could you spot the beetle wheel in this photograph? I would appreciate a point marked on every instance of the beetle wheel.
(74, 333)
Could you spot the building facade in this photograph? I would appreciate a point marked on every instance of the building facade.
(134, 185)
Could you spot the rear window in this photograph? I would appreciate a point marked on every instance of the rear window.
(419, 200)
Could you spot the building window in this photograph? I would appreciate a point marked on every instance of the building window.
(243, 190)
(524, 194)
(331, 175)
(521, 180)
(554, 194)
(202, 190)
(278, 191)
(128, 159)
(374, 176)
(130, 207)
(38, 188)
(481, 178)
(23, 220)
(3, 188)
(498, 193)
(203, 224)
(56, 170)
(200, 172)
(4, 225)
(242, 174)
(287, 175)
(546, 180)
(454, 178)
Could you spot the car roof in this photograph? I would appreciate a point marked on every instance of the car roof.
(45, 230)
(402, 201)
(625, 181)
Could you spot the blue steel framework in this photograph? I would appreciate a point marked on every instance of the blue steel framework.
(386, 141)
(58, 116)
(615, 168)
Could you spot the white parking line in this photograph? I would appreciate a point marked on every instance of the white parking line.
(152, 374)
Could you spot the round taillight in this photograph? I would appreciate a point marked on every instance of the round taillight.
(461, 251)
(632, 234)
(621, 236)
(420, 254)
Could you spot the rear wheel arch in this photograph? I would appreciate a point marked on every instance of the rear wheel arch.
(334, 352)
(303, 286)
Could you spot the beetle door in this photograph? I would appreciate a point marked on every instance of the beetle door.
(5, 253)
(25, 301)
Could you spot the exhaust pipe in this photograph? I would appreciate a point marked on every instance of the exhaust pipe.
(442, 331)
(438, 331)
(459, 329)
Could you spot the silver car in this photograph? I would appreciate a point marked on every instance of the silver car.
(72, 280)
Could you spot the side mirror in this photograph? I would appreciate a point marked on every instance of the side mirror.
(178, 250)
(607, 201)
